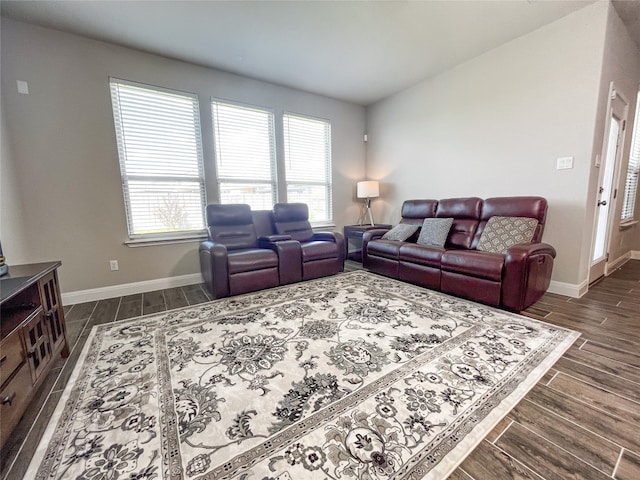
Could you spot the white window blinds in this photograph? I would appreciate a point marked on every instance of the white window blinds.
(245, 154)
(633, 169)
(160, 150)
(307, 157)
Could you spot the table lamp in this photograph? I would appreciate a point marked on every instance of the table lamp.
(368, 189)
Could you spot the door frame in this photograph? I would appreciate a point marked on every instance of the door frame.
(613, 197)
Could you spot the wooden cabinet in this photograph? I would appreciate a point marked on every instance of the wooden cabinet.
(32, 335)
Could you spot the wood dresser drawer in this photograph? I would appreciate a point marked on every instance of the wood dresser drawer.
(32, 334)
(13, 400)
(11, 356)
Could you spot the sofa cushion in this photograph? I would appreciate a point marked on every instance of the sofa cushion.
(466, 216)
(250, 260)
(384, 248)
(500, 233)
(319, 251)
(400, 232)
(415, 211)
(531, 207)
(231, 225)
(292, 219)
(473, 263)
(429, 255)
(435, 231)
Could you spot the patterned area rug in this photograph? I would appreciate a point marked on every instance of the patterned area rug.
(355, 376)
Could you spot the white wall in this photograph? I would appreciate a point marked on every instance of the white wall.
(621, 66)
(495, 125)
(66, 162)
(12, 225)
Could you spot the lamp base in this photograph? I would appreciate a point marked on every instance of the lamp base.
(367, 212)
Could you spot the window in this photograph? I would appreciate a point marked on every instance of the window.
(633, 168)
(245, 154)
(307, 158)
(160, 151)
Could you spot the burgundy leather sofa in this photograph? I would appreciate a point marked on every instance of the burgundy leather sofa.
(245, 251)
(512, 281)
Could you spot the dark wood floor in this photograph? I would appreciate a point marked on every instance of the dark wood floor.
(581, 421)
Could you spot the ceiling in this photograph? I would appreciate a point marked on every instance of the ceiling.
(358, 51)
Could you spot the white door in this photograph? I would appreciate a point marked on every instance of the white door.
(605, 197)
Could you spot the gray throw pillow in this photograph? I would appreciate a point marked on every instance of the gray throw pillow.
(500, 233)
(435, 231)
(400, 232)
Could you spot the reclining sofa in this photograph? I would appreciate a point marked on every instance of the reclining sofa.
(252, 250)
(512, 279)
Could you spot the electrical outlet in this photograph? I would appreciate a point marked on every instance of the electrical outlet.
(114, 265)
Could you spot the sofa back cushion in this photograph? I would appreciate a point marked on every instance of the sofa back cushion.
(531, 207)
(466, 217)
(292, 219)
(231, 225)
(415, 211)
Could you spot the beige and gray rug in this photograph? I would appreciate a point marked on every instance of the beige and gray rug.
(354, 376)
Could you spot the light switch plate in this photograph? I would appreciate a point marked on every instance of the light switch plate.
(564, 163)
(23, 87)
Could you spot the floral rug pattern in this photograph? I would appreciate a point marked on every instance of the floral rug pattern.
(355, 376)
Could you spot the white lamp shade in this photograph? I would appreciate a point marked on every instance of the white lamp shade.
(368, 189)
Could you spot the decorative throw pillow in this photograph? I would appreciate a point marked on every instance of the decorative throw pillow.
(435, 231)
(400, 232)
(500, 233)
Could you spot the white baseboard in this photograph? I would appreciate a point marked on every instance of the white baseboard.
(112, 291)
(576, 291)
(93, 294)
(617, 263)
(568, 289)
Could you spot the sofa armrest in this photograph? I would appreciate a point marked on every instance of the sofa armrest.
(338, 239)
(214, 267)
(527, 274)
(374, 234)
(368, 236)
(273, 238)
(325, 236)
(522, 251)
(289, 256)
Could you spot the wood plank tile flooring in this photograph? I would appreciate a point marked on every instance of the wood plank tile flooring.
(581, 421)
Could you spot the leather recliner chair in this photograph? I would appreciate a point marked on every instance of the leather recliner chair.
(232, 260)
(322, 253)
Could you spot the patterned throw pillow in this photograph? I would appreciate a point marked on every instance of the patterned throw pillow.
(435, 231)
(500, 233)
(400, 232)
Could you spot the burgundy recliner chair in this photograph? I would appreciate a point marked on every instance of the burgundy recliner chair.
(234, 260)
(322, 253)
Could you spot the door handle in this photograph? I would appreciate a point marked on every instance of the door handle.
(602, 203)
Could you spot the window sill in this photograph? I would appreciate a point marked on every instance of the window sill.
(626, 225)
(322, 226)
(155, 241)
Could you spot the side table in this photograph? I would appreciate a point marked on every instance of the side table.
(353, 237)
